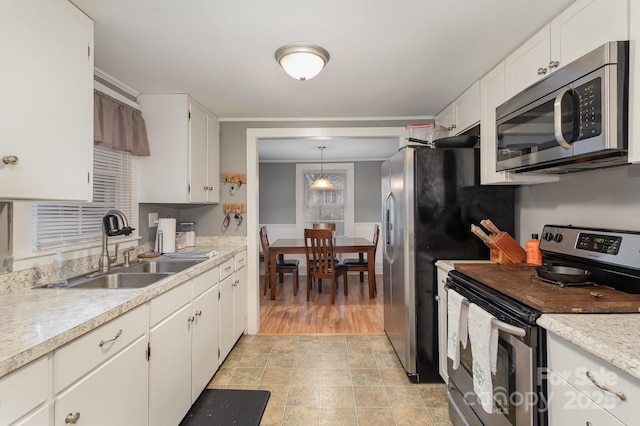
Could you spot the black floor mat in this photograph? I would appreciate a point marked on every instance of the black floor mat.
(222, 407)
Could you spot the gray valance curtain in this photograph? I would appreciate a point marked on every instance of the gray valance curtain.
(118, 126)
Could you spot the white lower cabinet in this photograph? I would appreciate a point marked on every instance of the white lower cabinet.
(239, 296)
(204, 344)
(23, 390)
(583, 386)
(184, 347)
(233, 302)
(113, 394)
(38, 418)
(441, 298)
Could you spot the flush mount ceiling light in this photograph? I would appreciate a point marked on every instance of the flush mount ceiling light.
(322, 182)
(302, 61)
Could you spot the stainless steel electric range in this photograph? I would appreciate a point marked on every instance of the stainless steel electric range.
(603, 275)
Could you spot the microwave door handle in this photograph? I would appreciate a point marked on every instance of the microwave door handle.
(557, 119)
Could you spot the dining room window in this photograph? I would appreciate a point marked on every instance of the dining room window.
(328, 205)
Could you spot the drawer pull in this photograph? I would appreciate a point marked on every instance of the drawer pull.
(102, 342)
(620, 395)
(72, 418)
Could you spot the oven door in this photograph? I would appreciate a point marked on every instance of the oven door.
(513, 386)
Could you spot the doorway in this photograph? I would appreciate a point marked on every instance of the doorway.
(253, 138)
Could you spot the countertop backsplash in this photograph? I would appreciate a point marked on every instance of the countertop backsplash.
(41, 275)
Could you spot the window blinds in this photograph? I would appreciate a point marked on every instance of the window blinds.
(57, 225)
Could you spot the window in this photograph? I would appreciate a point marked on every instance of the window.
(331, 205)
(64, 224)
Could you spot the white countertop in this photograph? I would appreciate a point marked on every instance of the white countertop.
(34, 322)
(611, 337)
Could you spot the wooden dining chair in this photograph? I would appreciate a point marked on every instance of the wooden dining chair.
(281, 267)
(318, 245)
(322, 225)
(361, 264)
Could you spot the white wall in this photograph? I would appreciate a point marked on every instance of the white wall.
(601, 199)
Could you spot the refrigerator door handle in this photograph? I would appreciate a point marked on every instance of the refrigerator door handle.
(388, 227)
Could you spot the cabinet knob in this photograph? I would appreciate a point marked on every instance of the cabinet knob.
(191, 318)
(453, 126)
(72, 418)
(198, 313)
(11, 160)
(542, 71)
(553, 64)
(205, 188)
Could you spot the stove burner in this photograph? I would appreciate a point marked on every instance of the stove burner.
(562, 284)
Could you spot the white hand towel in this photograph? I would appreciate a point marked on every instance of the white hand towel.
(483, 336)
(456, 326)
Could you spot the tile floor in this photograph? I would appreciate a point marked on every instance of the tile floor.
(331, 380)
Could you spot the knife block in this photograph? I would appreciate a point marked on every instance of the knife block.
(505, 249)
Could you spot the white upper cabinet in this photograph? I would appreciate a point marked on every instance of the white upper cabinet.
(582, 27)
(529, 63)
(184, 139)
(46, 101)
(462, 113)
(492, 94)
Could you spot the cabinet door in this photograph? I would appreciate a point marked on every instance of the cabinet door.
(634, 83)
(568, 406)
(442, 323)
(213, 159)
(529, 63)
(446, 119)
(38, 418)
(239, 303)
(114, 394)
(204, 345)
(226, 316)
(24, 389)
(586, 25)
(198, 185)
(467, 108)
(492, 94)
(170, 368)
(46, 100)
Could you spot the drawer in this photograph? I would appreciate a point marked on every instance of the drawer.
(78, 357)
(23, 389)
(240, 259)
(569, 406)
(226, 268)
(205, 281)
(167, 303)
(572, 364)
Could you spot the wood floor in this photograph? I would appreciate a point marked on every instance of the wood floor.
(353, 314)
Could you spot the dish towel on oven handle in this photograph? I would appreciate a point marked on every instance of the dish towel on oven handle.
(457, 325)
(483, 336)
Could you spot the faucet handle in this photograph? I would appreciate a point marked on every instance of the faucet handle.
(127, 253)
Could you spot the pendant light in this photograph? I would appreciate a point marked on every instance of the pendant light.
(322, 182)
(302, 61)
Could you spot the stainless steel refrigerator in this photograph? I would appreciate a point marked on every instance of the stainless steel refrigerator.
(430, 199)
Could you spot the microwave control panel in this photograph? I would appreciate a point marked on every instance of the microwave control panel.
(589, 106)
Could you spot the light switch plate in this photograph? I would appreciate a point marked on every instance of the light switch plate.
(153, 220)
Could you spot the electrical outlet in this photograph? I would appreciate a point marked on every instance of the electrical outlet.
(153, 220)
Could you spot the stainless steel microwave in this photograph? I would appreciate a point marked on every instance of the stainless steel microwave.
(572, 120)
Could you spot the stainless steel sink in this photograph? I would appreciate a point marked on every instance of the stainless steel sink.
(118, 280)
(158, 266)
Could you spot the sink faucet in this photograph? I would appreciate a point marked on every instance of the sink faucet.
(111, 228)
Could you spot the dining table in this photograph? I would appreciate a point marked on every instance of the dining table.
(361, 246)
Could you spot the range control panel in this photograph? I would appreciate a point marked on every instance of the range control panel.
(599, 243)
(602, 245)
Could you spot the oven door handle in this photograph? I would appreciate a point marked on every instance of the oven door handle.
(508, 328)
(500, 325)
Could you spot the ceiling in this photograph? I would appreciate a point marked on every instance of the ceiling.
(389, 59)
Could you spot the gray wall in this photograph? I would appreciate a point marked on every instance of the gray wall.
(601, 199)
(278, 192)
